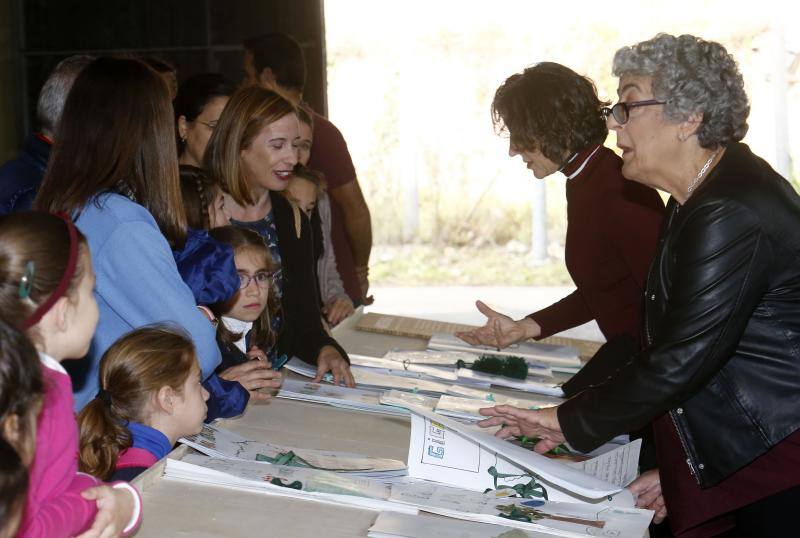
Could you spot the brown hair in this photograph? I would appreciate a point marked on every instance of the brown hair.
(241, 239)
(134, 368)
(315, 177)
(550, 108)
(198, 192)
(305, 116)
(116, 134)
(21, 385)
(34, 253)
(249, 110)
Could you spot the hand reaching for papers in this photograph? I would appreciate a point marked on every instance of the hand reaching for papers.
(647, 491)
(254, 375)
(500, 330)
(516, 422)
(330, 360)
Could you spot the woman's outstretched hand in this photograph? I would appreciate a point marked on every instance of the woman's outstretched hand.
(542, 424)
(500, 330)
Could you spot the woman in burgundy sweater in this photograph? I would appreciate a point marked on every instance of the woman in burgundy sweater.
(554, 120)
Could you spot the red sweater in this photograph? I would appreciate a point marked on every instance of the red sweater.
(612, 235)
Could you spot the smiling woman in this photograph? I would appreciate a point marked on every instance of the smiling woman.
(251, 155)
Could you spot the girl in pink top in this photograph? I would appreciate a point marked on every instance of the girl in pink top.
(47, 283)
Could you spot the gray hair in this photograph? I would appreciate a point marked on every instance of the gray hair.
(692, 75)
(55, 90)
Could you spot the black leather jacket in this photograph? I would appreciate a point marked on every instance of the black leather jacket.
(722, 320)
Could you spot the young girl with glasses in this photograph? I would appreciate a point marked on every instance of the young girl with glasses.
(46, 283)
(246, 328)
(150, 396)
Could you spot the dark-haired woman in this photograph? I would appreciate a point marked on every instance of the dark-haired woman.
(115, 169)
(555, 122)
(197, 106)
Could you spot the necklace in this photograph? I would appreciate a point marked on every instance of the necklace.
(702, 171)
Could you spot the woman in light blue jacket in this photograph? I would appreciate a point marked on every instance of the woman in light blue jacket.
(114, 168)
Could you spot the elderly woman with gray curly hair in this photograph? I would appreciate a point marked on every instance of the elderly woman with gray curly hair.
(719, 377)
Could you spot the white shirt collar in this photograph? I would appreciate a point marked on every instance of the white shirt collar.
(583, 164)
(238, 326)
(49, 362)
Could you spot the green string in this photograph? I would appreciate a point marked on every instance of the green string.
(533, 489)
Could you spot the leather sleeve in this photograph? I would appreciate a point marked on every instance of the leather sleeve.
(719, 275)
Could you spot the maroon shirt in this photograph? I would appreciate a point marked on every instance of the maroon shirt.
(694, 512)
(612, 235)
(330, 156)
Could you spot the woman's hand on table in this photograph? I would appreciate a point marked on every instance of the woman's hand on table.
(500, 330)
(647, 491)
(515, 422)
(330, 360)
(254, 375)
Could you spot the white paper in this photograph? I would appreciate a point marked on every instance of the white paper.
(467, 408)
(316, 485)
(222, 443)
(403, 399)
(563, 519)
(468, 465)
(396, 525)
(619, 466)
(545, 389)
(345, 397)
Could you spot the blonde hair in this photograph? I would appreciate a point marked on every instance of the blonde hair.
(247, 112)
(134, 368)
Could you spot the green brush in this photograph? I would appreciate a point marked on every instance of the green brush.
(512, 366)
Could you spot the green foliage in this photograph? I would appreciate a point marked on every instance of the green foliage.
(513, 367)
(429, 265)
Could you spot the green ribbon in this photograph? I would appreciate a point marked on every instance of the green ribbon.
(533, 489)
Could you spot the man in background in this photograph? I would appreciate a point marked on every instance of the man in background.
(20, 178)
(277, 60)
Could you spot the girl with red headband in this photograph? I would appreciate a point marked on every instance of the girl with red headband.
(46, 282)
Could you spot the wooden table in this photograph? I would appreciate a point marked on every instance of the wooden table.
(179, 508)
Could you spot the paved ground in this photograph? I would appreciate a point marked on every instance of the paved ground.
(457, 303)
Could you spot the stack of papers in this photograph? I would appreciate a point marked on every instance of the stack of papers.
(311, 484)
(554, 518)
(406, 399)
(552, 355)
(457, 454)
(344, 397)
(221, 443)
(467, 408)
(396, 525)
(416, 360)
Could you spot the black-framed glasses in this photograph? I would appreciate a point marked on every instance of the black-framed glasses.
(621, 111)
(263, 279)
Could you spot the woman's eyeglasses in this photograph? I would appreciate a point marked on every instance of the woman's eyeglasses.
(621, 111)
(263, 279)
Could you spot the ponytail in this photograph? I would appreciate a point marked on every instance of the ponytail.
(133, 369)
(103, 438)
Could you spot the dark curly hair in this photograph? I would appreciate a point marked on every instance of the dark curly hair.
(550, 108)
